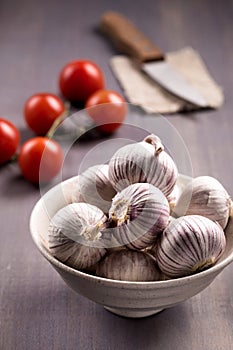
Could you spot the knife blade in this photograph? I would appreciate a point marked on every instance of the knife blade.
(131, 41)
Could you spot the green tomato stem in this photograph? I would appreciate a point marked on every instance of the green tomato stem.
(58, 121)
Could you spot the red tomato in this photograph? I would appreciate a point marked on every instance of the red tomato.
(41, 110)
(79, 79)
(40, 159)
(110, 112)
(9, 140)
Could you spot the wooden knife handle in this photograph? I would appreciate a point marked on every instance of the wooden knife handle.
(128, 39)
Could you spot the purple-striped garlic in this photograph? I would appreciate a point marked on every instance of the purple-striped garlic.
(204, 195)
(75, 235)
(189, 245)
(94, 187)
(144, 161)
(138, 214)
(128, 265)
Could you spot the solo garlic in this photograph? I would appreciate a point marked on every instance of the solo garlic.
(204, 195)
(126, 265)
(144, 161)
(190, 244)
(138, 214)
(75, 235)
(94, 187)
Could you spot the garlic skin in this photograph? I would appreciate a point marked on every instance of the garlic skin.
(189, 245)
(94, 187)
(144, 161)
(138, 214)
(75, 235)
(204, 195)
(126, 265)
(173, 196)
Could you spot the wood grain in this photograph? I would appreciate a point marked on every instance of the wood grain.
(37, 310)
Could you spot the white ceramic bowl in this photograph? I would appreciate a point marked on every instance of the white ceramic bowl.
(130, 299)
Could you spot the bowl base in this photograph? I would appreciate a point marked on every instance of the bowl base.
(132, 313)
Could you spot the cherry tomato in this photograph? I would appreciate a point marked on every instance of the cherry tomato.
(9, 140)
(79, 79)
(40, 159)
(111, 110)
(41, 110)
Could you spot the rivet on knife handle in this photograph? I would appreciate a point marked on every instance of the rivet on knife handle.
(128, 38)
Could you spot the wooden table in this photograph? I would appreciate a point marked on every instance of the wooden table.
(37, 309)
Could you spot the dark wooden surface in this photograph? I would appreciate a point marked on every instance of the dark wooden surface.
(37, 310)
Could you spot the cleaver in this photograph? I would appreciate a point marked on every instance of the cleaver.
(129, 40)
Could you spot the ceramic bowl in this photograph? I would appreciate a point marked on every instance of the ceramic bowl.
(130, 299)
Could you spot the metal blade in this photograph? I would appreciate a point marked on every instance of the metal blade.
(167, 77)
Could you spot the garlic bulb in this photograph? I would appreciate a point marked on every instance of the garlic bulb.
(145, 161)
(139, 213)
(190, 244)
(205, 195)
(126, 265)
(94, 187)
(75, 235)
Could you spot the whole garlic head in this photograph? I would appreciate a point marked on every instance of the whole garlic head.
(190, 244)
(126, 265)
(139, 213)
(75, 234)
(94, 187)
(145, 161)
(204, 195)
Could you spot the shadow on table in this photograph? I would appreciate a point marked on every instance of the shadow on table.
(157, 331)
